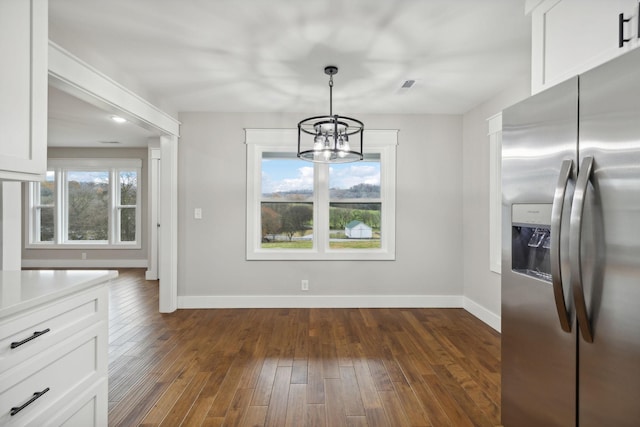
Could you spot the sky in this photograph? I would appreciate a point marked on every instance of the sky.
(289, 175)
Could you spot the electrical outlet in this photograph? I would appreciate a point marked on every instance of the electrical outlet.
(84, 255)
(197, 213)
(304, 285)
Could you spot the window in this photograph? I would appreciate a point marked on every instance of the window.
(302, 210)
(86, 203)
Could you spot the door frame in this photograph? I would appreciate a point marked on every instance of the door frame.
(72, 75)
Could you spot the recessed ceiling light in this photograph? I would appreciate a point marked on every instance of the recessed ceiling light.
(118, 119)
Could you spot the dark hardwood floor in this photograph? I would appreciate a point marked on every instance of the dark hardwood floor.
(297, 367)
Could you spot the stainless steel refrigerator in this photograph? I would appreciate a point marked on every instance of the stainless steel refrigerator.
(571, 252)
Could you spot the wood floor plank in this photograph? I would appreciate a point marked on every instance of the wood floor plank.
(334, 406)
(368, 393)
(297, 366)
(315, 416)
(448, 403)
(315, 384)
(163, 406)
(198, 412)
(393, 408)
(263, 389)
(238, 407)
(329, 357)
(296, 405)
(415, 370)
(227, 390)
(360, 421)
(351, 392)
(411, 405)
(300, 371)
(376, 417)
(255, 417)
(277, 413)
(185, 402)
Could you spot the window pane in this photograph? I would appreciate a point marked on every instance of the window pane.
(355, 208)
(88, 205)
(128, 187)
(47, 189)
(287, 225)
(355, 180)
(286, 179)
(45, 224)
(128, 224)
(286, 211)
(354, 225)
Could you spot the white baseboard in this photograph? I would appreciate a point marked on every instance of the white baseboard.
(150, 275)
(487, 316)
(321, 301)
(342, 301)
(84, 263)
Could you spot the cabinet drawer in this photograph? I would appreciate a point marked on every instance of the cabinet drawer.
(71, 362)
(43, 327)
(89, 409)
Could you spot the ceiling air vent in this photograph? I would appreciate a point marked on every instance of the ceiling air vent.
(407, 84)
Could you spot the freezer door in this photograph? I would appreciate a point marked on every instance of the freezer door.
(538, 357)
(609, 369)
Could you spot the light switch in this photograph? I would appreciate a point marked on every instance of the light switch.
(197, 213)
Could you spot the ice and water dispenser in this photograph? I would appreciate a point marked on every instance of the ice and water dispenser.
(531, 240)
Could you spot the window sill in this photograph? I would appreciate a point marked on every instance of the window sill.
(344, 255)
(88, 246)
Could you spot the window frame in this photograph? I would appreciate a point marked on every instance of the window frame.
(61, 168)
(259, 141)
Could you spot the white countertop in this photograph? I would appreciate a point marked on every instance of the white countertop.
(21, 290)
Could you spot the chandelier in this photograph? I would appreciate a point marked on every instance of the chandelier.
(332, 138)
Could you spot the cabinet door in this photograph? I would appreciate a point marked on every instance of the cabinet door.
(23, 89)
(572, 36)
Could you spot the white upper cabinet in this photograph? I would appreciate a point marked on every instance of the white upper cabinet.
(23, 89)
(572, 36)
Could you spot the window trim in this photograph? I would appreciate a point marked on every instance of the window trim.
(259, 141)
(61, 167)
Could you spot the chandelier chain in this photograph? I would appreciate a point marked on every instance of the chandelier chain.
(331, 94)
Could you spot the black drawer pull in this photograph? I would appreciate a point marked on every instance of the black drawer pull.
(26, 340)
(36, 395)
(621, 21)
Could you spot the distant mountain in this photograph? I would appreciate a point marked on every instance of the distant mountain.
(359, 191)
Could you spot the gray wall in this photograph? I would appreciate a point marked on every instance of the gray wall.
(481, 285)
(98, 254)
(212, 176)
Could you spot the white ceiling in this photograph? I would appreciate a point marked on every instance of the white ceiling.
(75, 123)
(269, 56)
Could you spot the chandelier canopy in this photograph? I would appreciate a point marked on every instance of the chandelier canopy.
(332, 138)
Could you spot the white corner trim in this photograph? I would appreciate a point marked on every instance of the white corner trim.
(84, 263)
(321, 301)
(487, 316)
(529, 5)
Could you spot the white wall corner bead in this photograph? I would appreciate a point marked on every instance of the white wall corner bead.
(495, 191)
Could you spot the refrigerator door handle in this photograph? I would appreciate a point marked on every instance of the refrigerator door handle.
(575, 236)
(556, 224)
